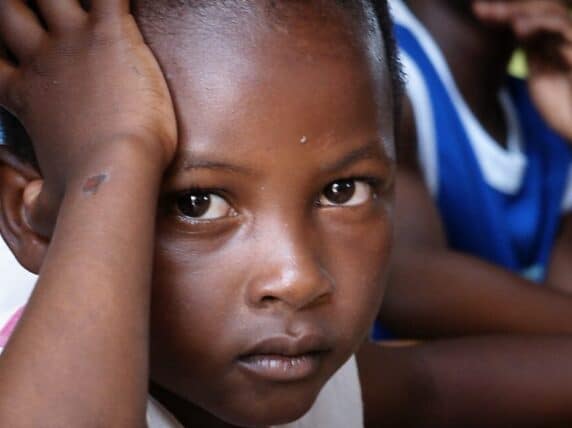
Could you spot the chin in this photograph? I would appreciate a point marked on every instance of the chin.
(282, 409)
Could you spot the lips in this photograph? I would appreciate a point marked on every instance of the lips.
(285, 358)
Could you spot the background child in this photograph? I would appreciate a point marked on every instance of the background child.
(261, 270)
(492, 163)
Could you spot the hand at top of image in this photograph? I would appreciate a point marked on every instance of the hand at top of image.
(95, 67)
(544, 29)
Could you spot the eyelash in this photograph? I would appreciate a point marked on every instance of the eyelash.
(374, 183)
(219, 193)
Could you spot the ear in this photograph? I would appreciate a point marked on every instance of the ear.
(20, 185)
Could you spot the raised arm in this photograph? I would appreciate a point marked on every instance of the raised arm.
(478, 382)
(434, 291)
(544, 29)
(95, 104)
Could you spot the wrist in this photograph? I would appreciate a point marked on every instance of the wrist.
(128, 157)
(125, 169)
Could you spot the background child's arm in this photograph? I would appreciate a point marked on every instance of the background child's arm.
(435, 291)
(559, 275)
(95, 104)
(544, 28)
(460, 294)
(478, 382)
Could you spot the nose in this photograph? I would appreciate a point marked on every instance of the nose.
(290, 272)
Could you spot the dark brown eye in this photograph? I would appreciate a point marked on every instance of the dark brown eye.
(340, 192)
(203, 205)
(346, 193)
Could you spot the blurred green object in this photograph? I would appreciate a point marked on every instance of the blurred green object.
(518, 66)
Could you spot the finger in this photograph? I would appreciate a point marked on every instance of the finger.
(528, 7)
(527, 27)
(504, 12)
(61, 15)
(6, 72)
(6, 66)
(103, 8)
(20, 29)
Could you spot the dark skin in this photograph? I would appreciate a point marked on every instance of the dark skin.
(260, 201)
(462, 294)
(282, 250)
(232, 179)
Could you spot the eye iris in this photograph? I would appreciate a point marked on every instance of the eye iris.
(194, 204)
(340, 192)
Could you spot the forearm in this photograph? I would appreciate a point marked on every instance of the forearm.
(498, 381)
(476, 382)
(436, 293)
(80, 353)
(559, 275)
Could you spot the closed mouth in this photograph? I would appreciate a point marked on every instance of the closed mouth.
(285, 358)
(282, 368)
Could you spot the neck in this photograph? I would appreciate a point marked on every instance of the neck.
(478, 56)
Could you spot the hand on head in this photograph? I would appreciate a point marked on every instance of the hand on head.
(77, 55)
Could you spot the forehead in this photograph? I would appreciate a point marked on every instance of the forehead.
(310, 64)
(262, 33)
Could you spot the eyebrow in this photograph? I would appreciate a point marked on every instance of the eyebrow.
(197, 163)
(369, 151)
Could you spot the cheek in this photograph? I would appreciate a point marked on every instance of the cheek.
(194, 287)
(358, 261)
(194, 299)
(199, 294)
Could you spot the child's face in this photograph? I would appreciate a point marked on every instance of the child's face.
(286, 131)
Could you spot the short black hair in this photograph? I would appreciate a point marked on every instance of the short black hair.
(16, 138)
